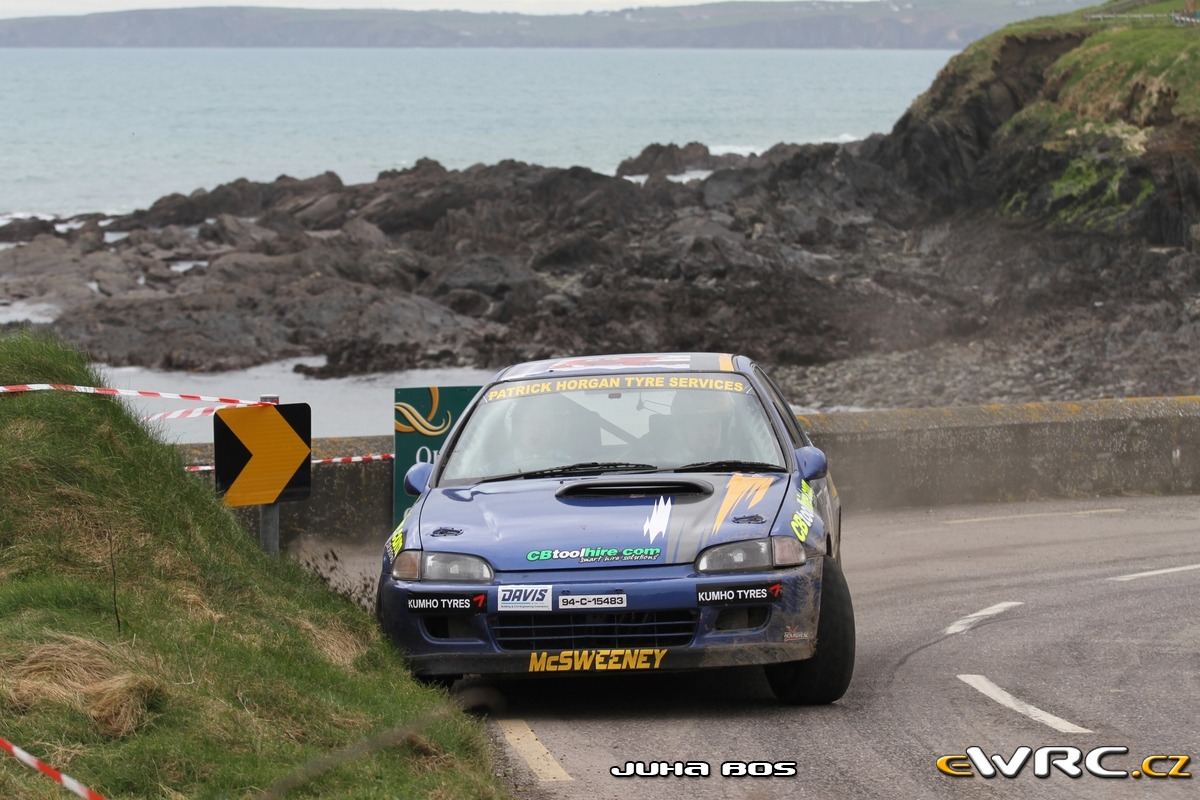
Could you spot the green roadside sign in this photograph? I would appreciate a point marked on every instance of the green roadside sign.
(423, 417)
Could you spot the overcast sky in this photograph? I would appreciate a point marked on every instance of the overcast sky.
(41, 8)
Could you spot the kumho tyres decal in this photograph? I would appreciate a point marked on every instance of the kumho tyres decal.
(446, 603)
(738, 594)
(596, 660)
(415, 422)
(802, 520)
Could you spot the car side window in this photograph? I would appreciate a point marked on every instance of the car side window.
(795, 432)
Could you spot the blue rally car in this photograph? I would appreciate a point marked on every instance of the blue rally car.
(624, 513)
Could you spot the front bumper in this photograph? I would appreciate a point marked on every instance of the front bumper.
(645, 619)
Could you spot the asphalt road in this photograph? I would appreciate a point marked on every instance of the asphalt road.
(990, 626)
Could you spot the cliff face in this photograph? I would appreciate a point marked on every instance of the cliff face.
(1063, 129)
(939, 144)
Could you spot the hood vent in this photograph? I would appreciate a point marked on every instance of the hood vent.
(639, 486)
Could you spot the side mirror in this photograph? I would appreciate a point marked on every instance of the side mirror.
(416, 480)
(811, 461)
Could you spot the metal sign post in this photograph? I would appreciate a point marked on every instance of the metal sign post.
(268, 514)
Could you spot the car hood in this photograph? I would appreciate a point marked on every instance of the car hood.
(609, 521)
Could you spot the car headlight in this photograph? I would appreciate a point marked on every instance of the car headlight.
(757, 554)
(419, 565)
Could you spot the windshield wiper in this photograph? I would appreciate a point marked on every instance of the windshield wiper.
(588, 467)
(729, 465)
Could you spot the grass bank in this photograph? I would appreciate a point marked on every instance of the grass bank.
(1084, 115)
(150, 650)
(1119, 73)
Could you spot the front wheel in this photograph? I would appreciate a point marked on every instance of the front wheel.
(825, 677)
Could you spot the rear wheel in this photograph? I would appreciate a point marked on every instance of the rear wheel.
(825, 677)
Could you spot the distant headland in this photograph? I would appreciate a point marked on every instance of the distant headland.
(915, 24)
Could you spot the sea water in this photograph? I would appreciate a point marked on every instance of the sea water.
(112, 130)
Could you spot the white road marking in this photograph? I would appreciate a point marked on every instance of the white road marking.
(1034, 516)
(989, 689)
(966, 622)
(1137, 575)
(522, 739)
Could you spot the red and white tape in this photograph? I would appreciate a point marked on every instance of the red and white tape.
(186, 413)
(193, 413)
(354, 459)
(342, 460)
(62, 387)
(66, 781)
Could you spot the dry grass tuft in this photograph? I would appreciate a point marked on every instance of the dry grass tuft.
(196, 603)
(105, 682)
(23, 429)
(430, 757)
(121, 705)
(169, 567)
(335, 642)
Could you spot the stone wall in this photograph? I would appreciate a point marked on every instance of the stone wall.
(879, 459)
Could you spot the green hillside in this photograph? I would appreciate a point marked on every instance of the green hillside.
(150, 650)
(1081, 119)
(1120, 71)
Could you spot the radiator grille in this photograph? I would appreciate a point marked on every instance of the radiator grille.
(630, 629)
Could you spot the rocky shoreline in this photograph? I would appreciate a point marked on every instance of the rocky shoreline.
(874, 274)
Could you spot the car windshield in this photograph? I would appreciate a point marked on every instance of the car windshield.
(600, 424)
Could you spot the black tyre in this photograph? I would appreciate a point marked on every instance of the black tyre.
(825, 677)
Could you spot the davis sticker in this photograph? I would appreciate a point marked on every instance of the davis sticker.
(525, 598)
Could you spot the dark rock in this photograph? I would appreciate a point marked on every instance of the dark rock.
(507, 285)
(23, 230)
(238, 233)
(669, 159)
